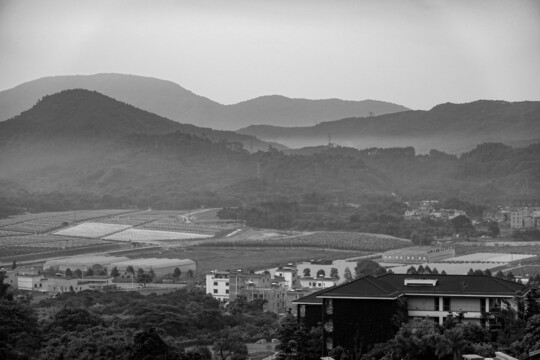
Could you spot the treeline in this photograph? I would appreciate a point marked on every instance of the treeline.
(127, 325)
(373, 214)
(177, 170)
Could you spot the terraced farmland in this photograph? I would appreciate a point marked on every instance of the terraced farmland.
(332, 240)
(141, 235)
(92, 230)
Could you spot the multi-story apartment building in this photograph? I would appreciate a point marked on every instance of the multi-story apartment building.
(369, 304)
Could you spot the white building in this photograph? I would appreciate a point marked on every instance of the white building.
(317, 283)
(217, 285)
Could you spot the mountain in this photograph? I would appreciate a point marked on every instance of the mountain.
(171, 101)
(81, 149)
(453, 128)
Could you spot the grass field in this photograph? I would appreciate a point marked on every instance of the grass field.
(252, 258)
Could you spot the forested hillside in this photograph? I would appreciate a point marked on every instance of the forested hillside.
(80, 149)
(454, 128)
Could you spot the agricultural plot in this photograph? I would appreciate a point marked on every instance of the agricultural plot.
(92, 230)
(331, 240)
(123, 221)
(141, 235)
(489, 258)
(4, 233)
(449, 268)
(45, 222)
(168, 224)
(527, 270)
(35, 226)
(31, 244)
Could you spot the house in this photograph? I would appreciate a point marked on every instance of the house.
(373, 306)
(319, 282)
(217, 285)
(289, 274)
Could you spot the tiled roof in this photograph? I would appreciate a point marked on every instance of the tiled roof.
(391, 286)
(364, 287)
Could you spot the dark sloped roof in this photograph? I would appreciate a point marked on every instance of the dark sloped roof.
(391, 286)
(312, 298)
(365, 287)
(481, 285)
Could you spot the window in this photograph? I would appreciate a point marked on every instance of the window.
(226, 284)
(226, 291)
(482, 305)
(436, 303)
(215, 283)
(446, 304)
(215, 291)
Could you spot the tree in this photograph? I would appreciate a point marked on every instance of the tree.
(307, 272)
(368, 267)
(500, 275)
(14, 265)
(443, 272)
(114, 272)
(462, 225)
(19, 335)
(434, 271)
(347, 274)
(334, 273)
(494, 229)
(68, 272)
(89, 272)
(148, 345)
(229, 346)
(420, 269)
(510, 276)
(177, 273)
(78, 273)
(130, 270)
(190, 273)
(152, 274)
(412, 270)
(321, 273)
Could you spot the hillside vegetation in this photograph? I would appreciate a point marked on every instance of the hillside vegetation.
(80, 149)
(454, 128)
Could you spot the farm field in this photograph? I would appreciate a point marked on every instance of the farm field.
(92, 230)
(4, 233)
(450, 268)
(489, 258)
(223, 258)
(44, 222)
(141, 235)
(329, 240)
(34, 244)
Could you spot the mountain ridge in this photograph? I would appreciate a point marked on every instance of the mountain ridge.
(449, 127)
(170, 100)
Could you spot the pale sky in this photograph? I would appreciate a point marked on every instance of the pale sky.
(414, 53)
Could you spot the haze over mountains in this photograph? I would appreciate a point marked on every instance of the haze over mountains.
(79, 149)
(170, 100)
(453, 128)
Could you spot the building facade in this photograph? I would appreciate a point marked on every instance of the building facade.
(370, 305)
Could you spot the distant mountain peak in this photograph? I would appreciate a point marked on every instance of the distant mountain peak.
(174, 102)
